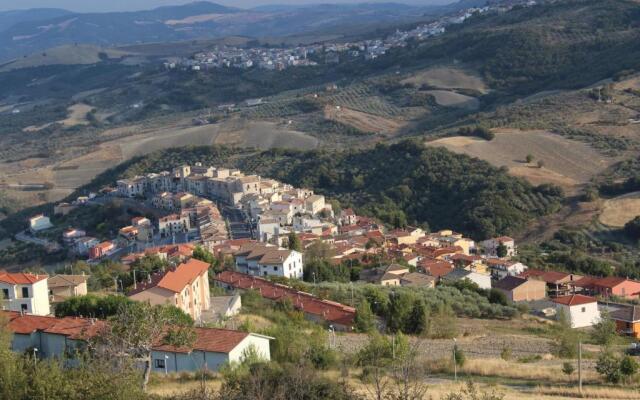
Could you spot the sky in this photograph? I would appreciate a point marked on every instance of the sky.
(129, 5)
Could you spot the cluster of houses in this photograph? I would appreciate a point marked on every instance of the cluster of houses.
(330, 53)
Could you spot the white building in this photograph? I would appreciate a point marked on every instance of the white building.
(39, 223)
(260, 259)
(173, 224)
(131, 187)
(580, 310)
(27, 293)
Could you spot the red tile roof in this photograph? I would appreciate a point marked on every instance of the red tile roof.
(611, 282)
(177, 279)
(20, 278)
(574, 300)
(207, 339)
(327, 310)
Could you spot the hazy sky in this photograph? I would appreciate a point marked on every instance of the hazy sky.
(126, 5)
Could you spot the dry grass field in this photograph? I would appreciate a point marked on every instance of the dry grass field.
(363, 121)
(618, 211)
(567, 163)
(77, 115)
(121, 144)
(452, 99)
(448, 78)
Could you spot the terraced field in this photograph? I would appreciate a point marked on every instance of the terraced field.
(567, 163)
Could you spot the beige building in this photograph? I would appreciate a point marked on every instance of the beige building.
(186, 287)
(61, 287)
(521, 289)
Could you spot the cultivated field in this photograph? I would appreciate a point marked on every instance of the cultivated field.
(67, 55)
(567, 163)
(448, 78)
(618, 211)
(452, 99)
(363, 121)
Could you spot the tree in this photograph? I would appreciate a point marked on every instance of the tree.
(400, 305)
(364, 320)
(529, 158)
(540, 163)
(608, 365)
(632, 228)
(416, 322)
(442, 324)
(202, 254)
(628, 367)
(408, 376)
(458, 356)
(568, 368)
(501, 250)
(294, 242)
(566, 339)
(136, 328)
(604, 332)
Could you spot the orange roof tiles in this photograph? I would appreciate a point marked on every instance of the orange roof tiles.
(20, 278)
(327, 310)
(175, 280)
(574, 300)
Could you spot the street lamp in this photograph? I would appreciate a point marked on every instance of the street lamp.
(166, 361)
(35, 356)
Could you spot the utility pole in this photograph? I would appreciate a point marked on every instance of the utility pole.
(580, 366)
(455, 361)
(135, 286)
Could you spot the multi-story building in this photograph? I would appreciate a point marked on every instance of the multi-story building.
(133, 187)
(186, 287)
(26, 293)
(261, 259)
(173, 224)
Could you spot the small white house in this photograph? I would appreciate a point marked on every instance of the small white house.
(25, 293)
(39, 223)
(580, 310)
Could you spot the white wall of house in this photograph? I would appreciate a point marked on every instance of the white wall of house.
(32, 298)
(483, 281)
(580, 315)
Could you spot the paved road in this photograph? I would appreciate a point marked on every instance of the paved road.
(24, 237)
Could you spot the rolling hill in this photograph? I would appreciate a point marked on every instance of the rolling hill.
(28, 33)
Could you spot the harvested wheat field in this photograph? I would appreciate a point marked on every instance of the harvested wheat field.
(363, 121)
(567, 163)
(618, 211)
(448, 78)
(452, 99)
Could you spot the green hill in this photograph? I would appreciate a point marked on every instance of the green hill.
(404, 183)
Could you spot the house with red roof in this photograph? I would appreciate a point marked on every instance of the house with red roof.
(611, 286)
(186, 287)
(558, 283)
(212, 348)
(580, 310)
(24, 293)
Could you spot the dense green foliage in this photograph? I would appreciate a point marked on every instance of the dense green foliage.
(404, 183)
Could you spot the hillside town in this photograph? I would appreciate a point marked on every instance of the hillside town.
(281, 58)
(274, 242)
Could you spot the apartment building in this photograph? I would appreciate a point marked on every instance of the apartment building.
(186, 287)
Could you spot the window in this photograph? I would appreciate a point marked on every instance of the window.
(275, 268)
(584, 309)
(160, 363)
(25, 292)
(5, 293)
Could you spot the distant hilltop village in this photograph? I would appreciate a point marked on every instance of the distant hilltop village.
(280, 58)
